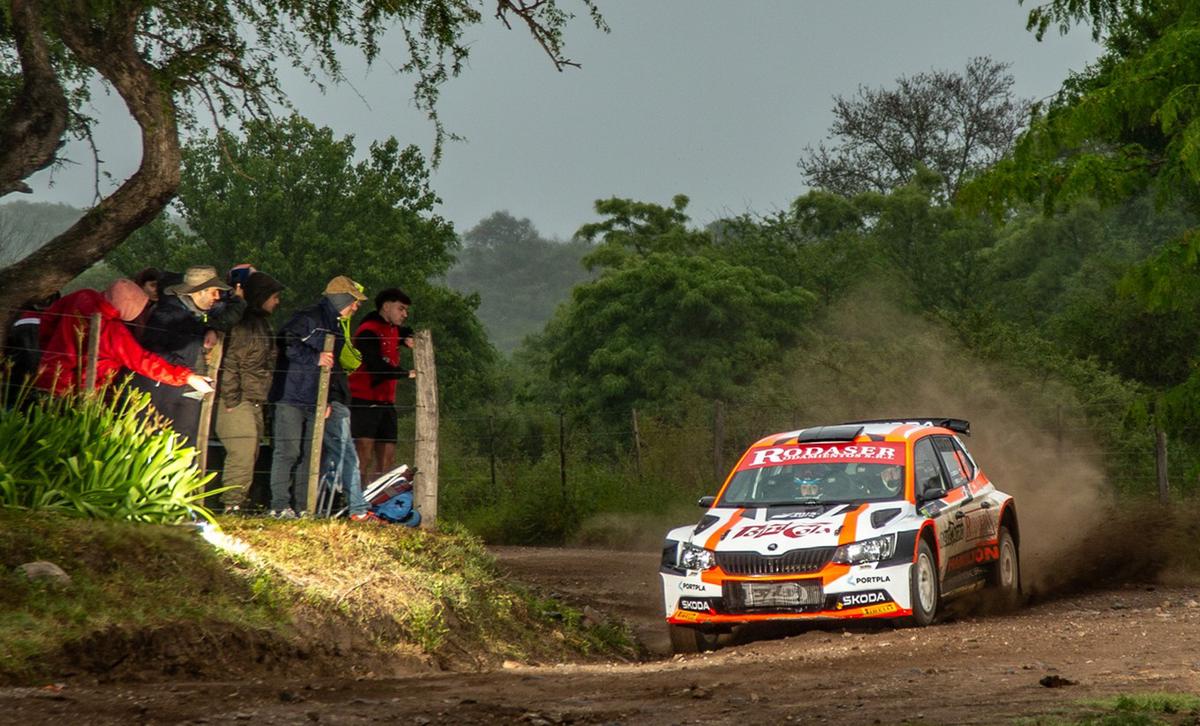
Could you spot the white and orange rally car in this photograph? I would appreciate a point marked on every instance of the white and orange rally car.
(869, 519)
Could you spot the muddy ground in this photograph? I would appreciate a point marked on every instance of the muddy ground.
(969, 670)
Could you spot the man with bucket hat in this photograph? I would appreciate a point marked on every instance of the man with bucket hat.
(301, 357)
(180, 330)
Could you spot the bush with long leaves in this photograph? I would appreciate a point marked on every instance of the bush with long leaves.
(103, 454)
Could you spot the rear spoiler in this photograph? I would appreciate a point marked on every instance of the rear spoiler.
(957, 425)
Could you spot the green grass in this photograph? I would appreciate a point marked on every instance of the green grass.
(123, 575)
(1137, 709)
(394, 592)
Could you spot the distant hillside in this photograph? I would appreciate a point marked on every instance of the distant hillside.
(26, 226)
(520, 276)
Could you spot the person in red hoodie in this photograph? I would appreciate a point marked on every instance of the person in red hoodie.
(66, 324)
(373, 419)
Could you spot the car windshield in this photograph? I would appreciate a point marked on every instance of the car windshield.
(816, 474)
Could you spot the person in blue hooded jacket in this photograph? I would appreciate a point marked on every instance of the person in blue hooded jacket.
(302, 340)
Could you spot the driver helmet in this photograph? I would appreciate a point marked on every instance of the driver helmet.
(808, 480)
(892, 478)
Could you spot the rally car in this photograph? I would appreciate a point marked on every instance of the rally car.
(868, 519)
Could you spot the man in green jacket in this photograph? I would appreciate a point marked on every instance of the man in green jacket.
(245, 380)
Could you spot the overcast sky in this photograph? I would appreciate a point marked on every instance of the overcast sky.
(712, 99)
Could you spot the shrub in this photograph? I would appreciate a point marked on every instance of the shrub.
(103, 455)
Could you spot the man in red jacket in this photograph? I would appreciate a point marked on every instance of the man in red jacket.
(373, 385)
(66, 324)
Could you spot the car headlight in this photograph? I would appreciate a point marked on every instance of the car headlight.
(696, 558)
(868, 550)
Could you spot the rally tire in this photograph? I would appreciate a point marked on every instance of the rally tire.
(1005, 578)
(685, 639)
(924, 586)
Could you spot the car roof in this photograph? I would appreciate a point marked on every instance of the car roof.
(900, 429)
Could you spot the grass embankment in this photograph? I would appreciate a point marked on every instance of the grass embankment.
(1140, 709)
(320, 596)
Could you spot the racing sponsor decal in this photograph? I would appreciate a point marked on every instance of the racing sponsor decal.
(695, 604)
(861, 599)
(932, 509)
(693, 587)
(980, 527)
(882, 453)
(798, 514)
(794, 530)
(977, 556)
(952, 533)
(868, 579)
(888, 607)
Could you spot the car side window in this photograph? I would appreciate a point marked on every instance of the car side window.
(965, 458)
(928, 474)
(952, 461)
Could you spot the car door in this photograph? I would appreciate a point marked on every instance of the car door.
(981, 515)
(942, 499)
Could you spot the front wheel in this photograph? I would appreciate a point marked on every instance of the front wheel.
(1005, 579)
(923, 586)
(686, 639)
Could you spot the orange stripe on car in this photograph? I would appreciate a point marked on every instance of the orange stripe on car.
(715, 537)
(848, 535)
(715, 576)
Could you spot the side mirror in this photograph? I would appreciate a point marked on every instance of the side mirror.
(706, 502)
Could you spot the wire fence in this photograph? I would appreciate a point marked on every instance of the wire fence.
(492, 450)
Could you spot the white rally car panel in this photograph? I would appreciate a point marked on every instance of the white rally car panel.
(766, 535)
(777, 561)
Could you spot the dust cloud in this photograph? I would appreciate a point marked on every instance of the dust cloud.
(868, 359)
(871, 360)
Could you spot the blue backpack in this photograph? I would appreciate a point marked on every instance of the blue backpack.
(399, 510)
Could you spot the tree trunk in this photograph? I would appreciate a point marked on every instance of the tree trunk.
(32, 130)
(111, 51)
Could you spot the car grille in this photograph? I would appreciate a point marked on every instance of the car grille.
(789, 563)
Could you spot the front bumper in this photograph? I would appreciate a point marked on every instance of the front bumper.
(835, 592)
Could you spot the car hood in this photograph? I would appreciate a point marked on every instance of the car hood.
(772, 530)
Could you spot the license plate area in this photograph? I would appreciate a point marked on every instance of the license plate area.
(777, 595)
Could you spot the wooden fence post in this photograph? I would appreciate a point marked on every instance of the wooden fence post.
(562, 458)
(492, 449)
(1058, 429)
(206, 404)
(93, 354)
(425, 455)
(637, 446)
(1160, 463)
(318, 431)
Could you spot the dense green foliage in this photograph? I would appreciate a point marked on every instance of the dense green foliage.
(291, 199)
(88, 456)
(668, 318)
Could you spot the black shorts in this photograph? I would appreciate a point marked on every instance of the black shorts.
(372, 420)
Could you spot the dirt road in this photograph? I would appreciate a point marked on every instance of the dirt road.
(967, 671)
